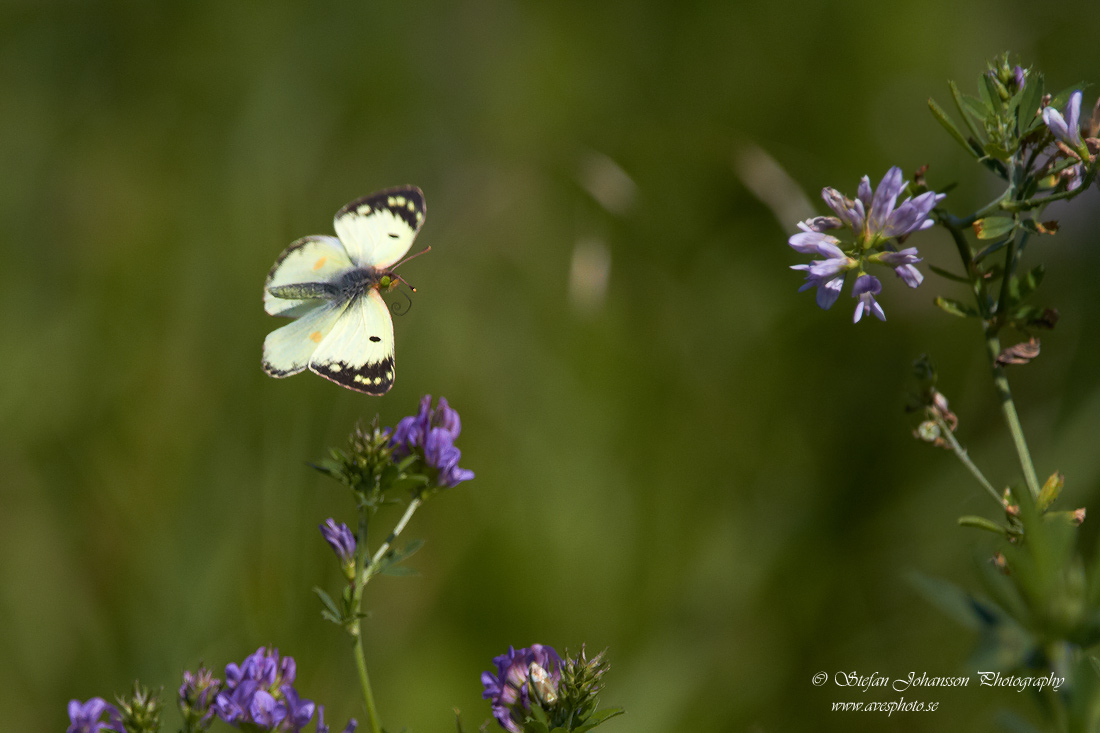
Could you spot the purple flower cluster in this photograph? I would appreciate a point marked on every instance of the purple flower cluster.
(431, 433)
(85, 717)
(875, 219)
(197, 695)
(507, 690)
(259, 695)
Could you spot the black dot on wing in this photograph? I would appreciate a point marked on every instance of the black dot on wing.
(375, 339)
(394, 236)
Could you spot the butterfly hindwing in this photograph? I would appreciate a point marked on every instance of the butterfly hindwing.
(308, 260)
(358, 352)
(287, 350)
(378, 230)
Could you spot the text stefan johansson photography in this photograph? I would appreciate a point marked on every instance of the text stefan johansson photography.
(985, 679)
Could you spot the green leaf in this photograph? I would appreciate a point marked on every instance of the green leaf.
(948, 275)
(994, 227)
(410, 548)
(960, 104)
(988, 93)
(1022, 287)
(955, 308)
(327, 600)
(982, 523)
(1031, 96)
(948, 125)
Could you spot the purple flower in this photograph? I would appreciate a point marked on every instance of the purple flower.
(875, 219)
(431, 433)
(85, 717)
(1067, 129)
(508, 691)
(341, 539)
(866, 288)
(196, 697)
(260, 694)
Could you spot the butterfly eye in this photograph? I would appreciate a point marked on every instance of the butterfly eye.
(385, 281)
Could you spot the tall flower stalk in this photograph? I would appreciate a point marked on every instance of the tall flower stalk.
(412, 462)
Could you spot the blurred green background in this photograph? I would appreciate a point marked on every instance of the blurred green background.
(677, 455)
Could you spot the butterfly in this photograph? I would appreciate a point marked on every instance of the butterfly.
(332, 287)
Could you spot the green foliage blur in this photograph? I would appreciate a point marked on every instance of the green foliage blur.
(678, 456)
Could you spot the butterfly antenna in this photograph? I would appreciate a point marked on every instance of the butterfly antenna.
(412, 257)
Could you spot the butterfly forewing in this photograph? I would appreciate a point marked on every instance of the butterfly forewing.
(378, 230)
(309, 260)
(358, 352)
(287, 350)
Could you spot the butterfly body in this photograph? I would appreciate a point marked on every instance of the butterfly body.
(332, 286)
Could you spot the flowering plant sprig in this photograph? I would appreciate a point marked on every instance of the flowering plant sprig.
(1042, 607)
(410, 463)
(406, 465)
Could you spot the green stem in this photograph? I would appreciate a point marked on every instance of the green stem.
(1008, 409)
(993, 350)
(373, 725)
(356, 630)
(398, 528)
(1038, 201)
(963, 456)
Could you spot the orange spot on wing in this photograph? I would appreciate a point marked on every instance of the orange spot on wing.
(315, 337)
(319, 263)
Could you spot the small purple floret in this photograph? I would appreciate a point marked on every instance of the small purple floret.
(1067, 129)
(341, 539)
(866, 288)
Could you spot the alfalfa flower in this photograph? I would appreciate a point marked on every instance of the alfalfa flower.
(875, 221)
(430, 434)
(196, 698)
(509, 691)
